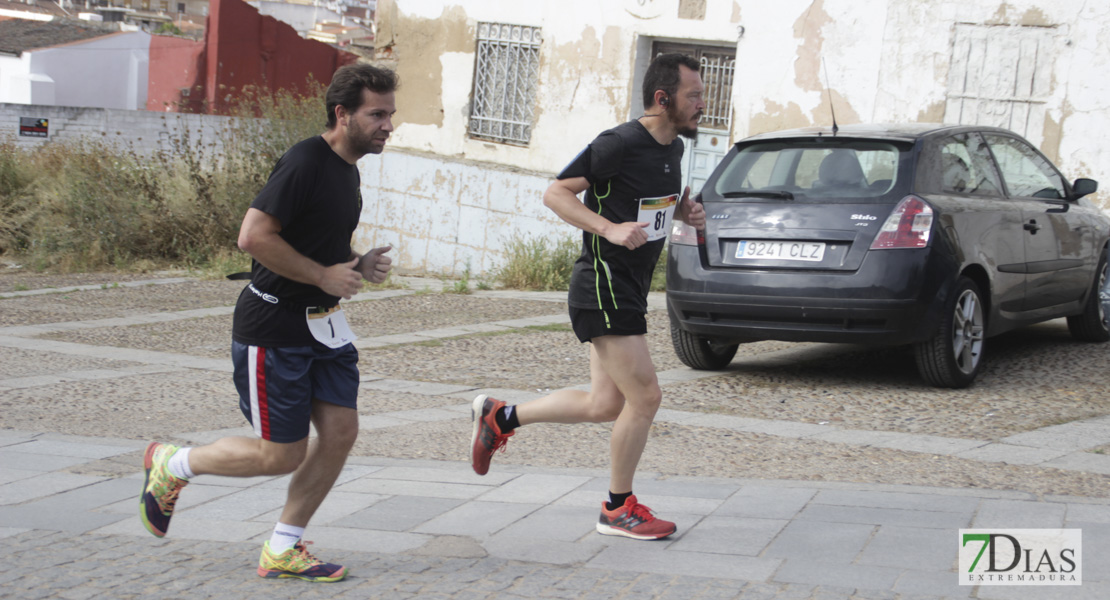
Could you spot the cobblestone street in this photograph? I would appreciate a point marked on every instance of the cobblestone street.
(802, 471)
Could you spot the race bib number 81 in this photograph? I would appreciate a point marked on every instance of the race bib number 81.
(657, 213)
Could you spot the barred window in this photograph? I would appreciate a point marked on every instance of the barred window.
(505, 79)
(717, 69)
(718, 66)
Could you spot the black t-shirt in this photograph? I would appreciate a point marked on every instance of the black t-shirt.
(624, 166)
(314, 193)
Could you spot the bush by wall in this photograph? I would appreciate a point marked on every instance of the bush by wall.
(88, 204)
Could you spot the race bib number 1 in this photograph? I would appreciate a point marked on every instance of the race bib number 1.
(329, 326)
(657, 212)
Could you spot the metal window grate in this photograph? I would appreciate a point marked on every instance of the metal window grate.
(505, 80)
(716, 75)
(717, 68)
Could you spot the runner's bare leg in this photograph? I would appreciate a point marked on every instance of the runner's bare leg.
(336, 430)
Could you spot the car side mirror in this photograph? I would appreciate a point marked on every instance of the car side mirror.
(1082, 187)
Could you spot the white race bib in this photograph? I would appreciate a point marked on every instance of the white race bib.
(657, 213)
(329, 326)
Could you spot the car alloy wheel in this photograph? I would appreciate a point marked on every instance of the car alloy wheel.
(953, 356)
(1091, 325)
(967, 340)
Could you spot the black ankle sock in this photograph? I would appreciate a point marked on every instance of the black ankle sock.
(507, 423)
(616, 500)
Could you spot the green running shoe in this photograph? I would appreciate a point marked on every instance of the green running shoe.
(160, 489)
(298, 562)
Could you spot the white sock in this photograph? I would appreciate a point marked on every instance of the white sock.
(284, 537)
(179, 464)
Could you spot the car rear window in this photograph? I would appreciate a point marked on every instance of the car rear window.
(809, 169)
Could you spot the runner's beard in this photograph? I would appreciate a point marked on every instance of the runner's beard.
(683, 129)
(364, 144)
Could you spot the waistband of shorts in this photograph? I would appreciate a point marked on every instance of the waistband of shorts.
(288, 304)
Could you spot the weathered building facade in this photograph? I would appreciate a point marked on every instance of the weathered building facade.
(498, 95)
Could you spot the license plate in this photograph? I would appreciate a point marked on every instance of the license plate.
(806, 251)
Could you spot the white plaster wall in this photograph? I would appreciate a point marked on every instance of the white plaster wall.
(443, 215)
(1085, 145)
(107, 72)
(143, 131)
(576, 100)
(889, 61)
(15, 79)
(443, 199)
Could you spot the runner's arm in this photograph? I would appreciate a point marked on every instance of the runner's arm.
(690, 212)
(258, 236)
(374, 265)
(562, 198)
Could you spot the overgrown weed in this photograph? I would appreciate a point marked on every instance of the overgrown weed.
(91, 204)
(536, 263)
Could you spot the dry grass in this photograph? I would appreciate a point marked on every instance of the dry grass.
(89, 205)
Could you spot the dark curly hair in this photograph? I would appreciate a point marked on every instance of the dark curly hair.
(349, 81)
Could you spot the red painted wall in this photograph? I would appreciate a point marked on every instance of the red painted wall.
(241, 48)
(176, 64)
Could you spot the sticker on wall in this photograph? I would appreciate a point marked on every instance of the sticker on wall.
(32, 127)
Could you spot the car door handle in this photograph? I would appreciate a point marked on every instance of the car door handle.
(1031, 226)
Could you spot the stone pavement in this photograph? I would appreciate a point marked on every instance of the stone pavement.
(434, 529)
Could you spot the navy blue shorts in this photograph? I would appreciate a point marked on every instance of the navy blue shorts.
(277, 386)
(590, 323)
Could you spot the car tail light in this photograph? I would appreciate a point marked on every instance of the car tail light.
(684, 235)
(907, 227)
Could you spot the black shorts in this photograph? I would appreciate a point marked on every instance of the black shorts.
(590, 323)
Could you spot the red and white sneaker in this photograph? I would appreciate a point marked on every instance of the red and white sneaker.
(486, 437)
(633, 520)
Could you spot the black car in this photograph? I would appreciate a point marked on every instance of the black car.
(936, 236)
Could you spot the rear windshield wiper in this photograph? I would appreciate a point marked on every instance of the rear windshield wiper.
(777, 195)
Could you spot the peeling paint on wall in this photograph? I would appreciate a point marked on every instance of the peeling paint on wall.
(1008, 15)
(807, 64)
(691, 9)
(602, 57)
(776, 116)
(735, 13)
(933, 113)
(1052, 133)
(419, 99)
(845, 114)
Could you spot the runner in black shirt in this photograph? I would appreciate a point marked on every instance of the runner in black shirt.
(294, 361)
(632, 180)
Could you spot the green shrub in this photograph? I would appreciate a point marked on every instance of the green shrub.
(538, 264)
(535, 263)
(16, 211)
(90, 204)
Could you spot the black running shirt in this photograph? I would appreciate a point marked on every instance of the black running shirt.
(623, 165)
(314, 193)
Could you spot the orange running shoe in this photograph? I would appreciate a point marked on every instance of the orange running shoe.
(633, 520)
(486, 437)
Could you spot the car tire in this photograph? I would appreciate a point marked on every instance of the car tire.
(952, 358)
(700, 353)
(1090, 325)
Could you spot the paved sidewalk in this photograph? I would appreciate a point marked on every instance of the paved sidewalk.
(433, 529)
